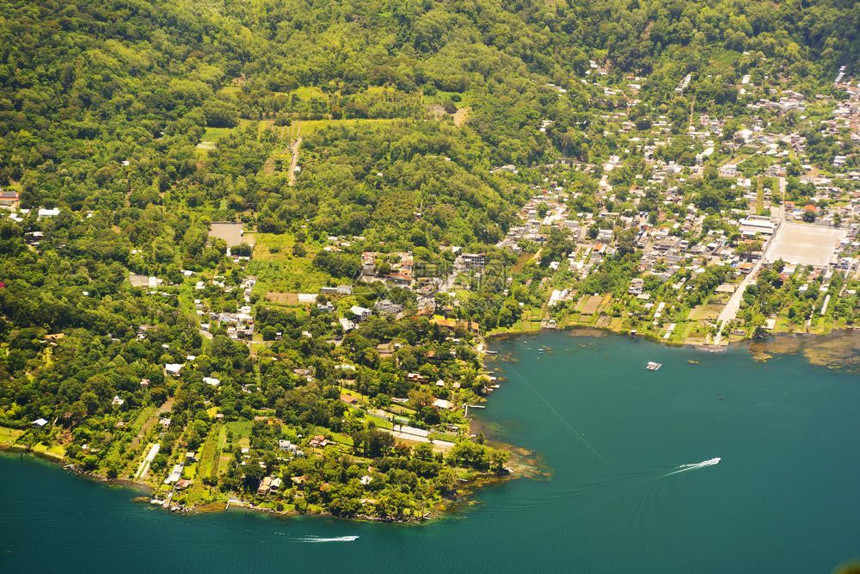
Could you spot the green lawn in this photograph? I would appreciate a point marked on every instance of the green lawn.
(9, 436)
(241, 431)
(56, 450)
(341, 438)
(692, 330)
(190, 471)
(215, 134)
(379, 421)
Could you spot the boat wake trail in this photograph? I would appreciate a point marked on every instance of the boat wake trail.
(635, 493)
(317, 539)
(552, 409)
(694, 466)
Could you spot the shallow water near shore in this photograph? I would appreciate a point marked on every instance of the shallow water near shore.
(837, 350)
(634, 486)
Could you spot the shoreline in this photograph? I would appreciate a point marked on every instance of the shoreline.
(523, 463)
(143, 491)
(838, 349)
(593, 331)
(141, 487)
(449, 505)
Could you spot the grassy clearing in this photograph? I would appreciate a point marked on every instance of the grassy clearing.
(215, 134)
(212, 135)
(279, 161)
(190, 471)
(676, 336)
(241, 431)
(143, 424)
(9, 436)
(341, 438)
(400, 410)
(308, 93)
(230, 90)
(694, 331)
(223, 459)
(278, 270)
(56, 450)
(785, 325)
(705, 313)
(186, 298)
(209, 453)
(307, 127)
(143, 416)
(529, 322)
(443, 436)
(272, 247)
(380, 422)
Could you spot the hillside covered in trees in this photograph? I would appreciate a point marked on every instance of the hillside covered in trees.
(86, 86)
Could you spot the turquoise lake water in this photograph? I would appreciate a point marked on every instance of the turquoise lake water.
(785, 496)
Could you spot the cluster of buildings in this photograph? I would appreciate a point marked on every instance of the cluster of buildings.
(239, 324)
(394, 268)
(541, 212)
(677, 242)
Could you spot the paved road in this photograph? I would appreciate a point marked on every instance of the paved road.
(730, 311)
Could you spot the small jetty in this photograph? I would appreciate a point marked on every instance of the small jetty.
(652, 366)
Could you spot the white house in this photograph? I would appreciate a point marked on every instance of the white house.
(173, 368)
(360, 312)
(729, 170)
(442, 404)
(175, 474)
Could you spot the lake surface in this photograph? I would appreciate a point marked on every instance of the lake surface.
(785, 496)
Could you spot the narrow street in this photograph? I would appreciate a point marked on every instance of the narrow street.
(730, 311)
